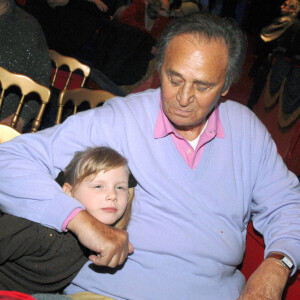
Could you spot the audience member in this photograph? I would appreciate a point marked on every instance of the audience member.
(152, 16)
(123, 52)
(37, 259)
(204, 168)
(259, 14)
(77, 28)
(190, 6)
(23, 50)
(68, 25)
(233, 9)
(282, 36)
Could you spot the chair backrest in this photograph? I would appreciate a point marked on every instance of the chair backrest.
(72, 63)
(80, 95)
(26, 86)
(7, 133)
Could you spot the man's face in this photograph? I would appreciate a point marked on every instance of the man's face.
(192, 78)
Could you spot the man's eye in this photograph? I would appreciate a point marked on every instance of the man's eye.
(176, 83)
(201, 88)
(174, 80)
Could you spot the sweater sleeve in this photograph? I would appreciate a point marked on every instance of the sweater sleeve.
(276, 197)
(30, 163)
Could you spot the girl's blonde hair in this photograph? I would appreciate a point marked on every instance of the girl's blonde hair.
(89, 163)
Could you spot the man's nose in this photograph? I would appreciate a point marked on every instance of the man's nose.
(185, 95)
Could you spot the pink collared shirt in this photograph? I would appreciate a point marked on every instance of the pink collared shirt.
(213, 129)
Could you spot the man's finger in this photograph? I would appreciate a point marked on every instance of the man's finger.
(130, 248)
(96, 260)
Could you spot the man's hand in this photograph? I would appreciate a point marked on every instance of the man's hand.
(267, 282)
(111, 244)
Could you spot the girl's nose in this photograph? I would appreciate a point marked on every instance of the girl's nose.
(111, 195)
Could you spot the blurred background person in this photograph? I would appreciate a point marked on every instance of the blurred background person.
(23, 50)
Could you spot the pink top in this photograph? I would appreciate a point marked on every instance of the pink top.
(70, 217)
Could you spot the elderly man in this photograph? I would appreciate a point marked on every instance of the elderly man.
(203, 170)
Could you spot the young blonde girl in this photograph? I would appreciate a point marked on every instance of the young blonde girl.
(37, 259)
(87, 164)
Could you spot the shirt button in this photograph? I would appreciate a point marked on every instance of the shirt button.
(189, 151)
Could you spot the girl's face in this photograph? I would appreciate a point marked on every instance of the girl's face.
(54, 3)
(105, 196)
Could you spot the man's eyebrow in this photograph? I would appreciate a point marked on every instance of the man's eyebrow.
(172, 72)
(204, 83)
(201, 82)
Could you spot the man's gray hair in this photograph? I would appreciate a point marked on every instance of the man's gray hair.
(210, 27)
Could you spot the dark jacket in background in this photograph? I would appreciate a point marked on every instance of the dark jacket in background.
(23, 49)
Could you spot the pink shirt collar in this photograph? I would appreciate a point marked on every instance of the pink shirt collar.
(191, 156)
(163, 126)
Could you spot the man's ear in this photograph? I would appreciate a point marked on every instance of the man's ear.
(67, 189)
(225, 92)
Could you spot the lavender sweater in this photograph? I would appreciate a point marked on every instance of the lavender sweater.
(188, 226)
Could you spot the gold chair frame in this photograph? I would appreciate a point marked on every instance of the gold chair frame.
(26, 86)
(80, 95)
(72, 63)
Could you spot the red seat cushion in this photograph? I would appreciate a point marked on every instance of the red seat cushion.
(62, 77)
(254, 255)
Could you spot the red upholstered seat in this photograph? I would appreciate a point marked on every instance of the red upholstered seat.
(292, 158)
(254, 256)
(62, 77)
